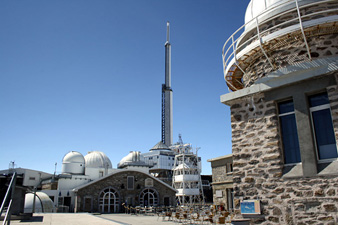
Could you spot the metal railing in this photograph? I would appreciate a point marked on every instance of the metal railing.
(237, 42)
(9, 196)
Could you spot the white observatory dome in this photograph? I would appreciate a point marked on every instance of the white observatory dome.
(97, 159)
(257, 7)
(134, 158)
(73, 163)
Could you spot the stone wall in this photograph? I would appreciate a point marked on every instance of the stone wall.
(219, 171)
(258, 168)
(289, 50)
(221, 181)
(118, 181)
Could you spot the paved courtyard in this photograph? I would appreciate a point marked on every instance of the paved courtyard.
(86, 218)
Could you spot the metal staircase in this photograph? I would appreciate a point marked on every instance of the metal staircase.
(7, 201)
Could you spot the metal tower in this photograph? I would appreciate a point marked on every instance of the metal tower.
(186, 176)
(167, 110)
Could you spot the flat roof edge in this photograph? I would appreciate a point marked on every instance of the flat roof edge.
(220, 157)
(285, 76)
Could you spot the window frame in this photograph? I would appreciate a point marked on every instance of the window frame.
(280, 130)
(316, 109)
(133, 183)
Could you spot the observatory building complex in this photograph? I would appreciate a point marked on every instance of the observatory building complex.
(91, 184)
(281, 68)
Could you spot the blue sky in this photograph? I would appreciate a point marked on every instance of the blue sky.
(80, 75)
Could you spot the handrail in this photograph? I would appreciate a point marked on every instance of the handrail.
(6, 216)
(231, 48)
(7, 193)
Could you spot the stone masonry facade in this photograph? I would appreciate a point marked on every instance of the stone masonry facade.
(285, 67)
(118, 182)
(222, 182)
(258, 168)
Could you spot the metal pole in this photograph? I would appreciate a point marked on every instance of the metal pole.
(6, 216)
(9, 212)
(260, 44)
(34, 199)
(302, 29)
(8, 190)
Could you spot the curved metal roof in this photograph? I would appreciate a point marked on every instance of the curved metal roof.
(160, 146)
(97, 159)
(73, 157)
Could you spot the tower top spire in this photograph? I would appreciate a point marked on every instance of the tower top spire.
(168, 31)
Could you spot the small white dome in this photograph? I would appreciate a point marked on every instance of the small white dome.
(97, 159)
(42, 203)
(73, 163)
(73, 157)
(134, 158)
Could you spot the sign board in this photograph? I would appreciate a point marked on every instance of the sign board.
(251, 207)
(149, 182)
(219, 194)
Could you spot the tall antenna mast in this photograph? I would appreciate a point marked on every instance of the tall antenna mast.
(168, 30)
(167, 112)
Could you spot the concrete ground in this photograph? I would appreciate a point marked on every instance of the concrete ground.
(88, 219)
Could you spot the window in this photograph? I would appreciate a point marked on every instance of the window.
(322, 126)
(229, 168)
(109, 201)
(289, 132)
(148, 197)
(130, 183)
(230, 198)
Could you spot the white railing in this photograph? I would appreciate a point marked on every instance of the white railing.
(233, 46)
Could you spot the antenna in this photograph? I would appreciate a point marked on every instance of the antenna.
(55, 168)
(180, 141)
(12, 165)
(167, 117)
(168, 31)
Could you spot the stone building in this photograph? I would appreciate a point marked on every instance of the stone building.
(282, 69)
(131, 187)
(222, 182)
(88, 183)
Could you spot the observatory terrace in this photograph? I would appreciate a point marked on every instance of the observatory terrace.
(279, 34)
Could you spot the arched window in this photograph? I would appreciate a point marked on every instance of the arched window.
(109, 201)
(148, 197)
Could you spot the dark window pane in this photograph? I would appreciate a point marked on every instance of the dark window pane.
(290, 139)
(319, 99)
(285, 107)
(130, 183)
(325, 137)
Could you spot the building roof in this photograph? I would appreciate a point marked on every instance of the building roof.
(97, 159)
(220, 158)
(134, 158)
(160, 146)
(122, 171)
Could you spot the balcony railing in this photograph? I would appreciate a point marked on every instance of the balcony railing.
(264, 28)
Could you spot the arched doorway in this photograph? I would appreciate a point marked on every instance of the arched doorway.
(109, 201)
(148, 197)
